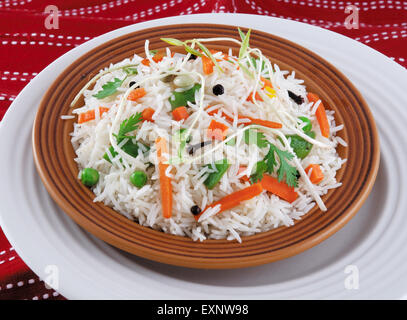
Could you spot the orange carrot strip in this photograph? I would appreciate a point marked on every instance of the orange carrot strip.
(102, 110)
(147, 114)
(213, 112)
(320, 114)
(165, 181)
(180, 113)
(146, 62)
(217, 130)
(316, 174)
(234, 199)
(90, 115)
(136, 94)
(267, 83)
(280, 189)
(158, 56)
(265, 123)
(207, 65)
(257, 96)
(240, 170)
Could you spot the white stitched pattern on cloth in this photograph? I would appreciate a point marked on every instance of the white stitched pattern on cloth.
(14, 79)
(9, 259)
(142, 14)
(195, 7)
(382, 36)
(14, 3)
(18, 74)
(44, 35)
(96, 8)
(341, 5)
(4, 251)
(118, 3)
(398, 59)
(45, 296)
(11, 285)
(40, 43)
(5, 96)
(319, 22)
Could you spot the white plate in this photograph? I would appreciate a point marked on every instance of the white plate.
(374, 241)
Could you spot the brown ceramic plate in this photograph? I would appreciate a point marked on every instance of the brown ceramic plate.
(53, 154)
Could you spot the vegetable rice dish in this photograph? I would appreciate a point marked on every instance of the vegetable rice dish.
(205, 144)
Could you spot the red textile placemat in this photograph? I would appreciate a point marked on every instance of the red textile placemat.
(23, 36)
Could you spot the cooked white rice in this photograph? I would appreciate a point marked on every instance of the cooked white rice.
(267, 211)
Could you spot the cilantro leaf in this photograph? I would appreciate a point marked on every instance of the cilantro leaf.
(179, 99)
(270, 160)
(253, 136)
(261, 168)
(129, 147)
(289, 172)
(128, 126)
(112, 152)
(109, 88)
(269, 163)
(285, 169)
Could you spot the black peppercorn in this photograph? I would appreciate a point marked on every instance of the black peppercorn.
(195, 210)
(297, 99)
(218, 90)
(192, 57)
(133, 83)
(195, 147)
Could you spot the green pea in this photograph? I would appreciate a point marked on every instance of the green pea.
(308, 126)
(138, 178)
(89, 177)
